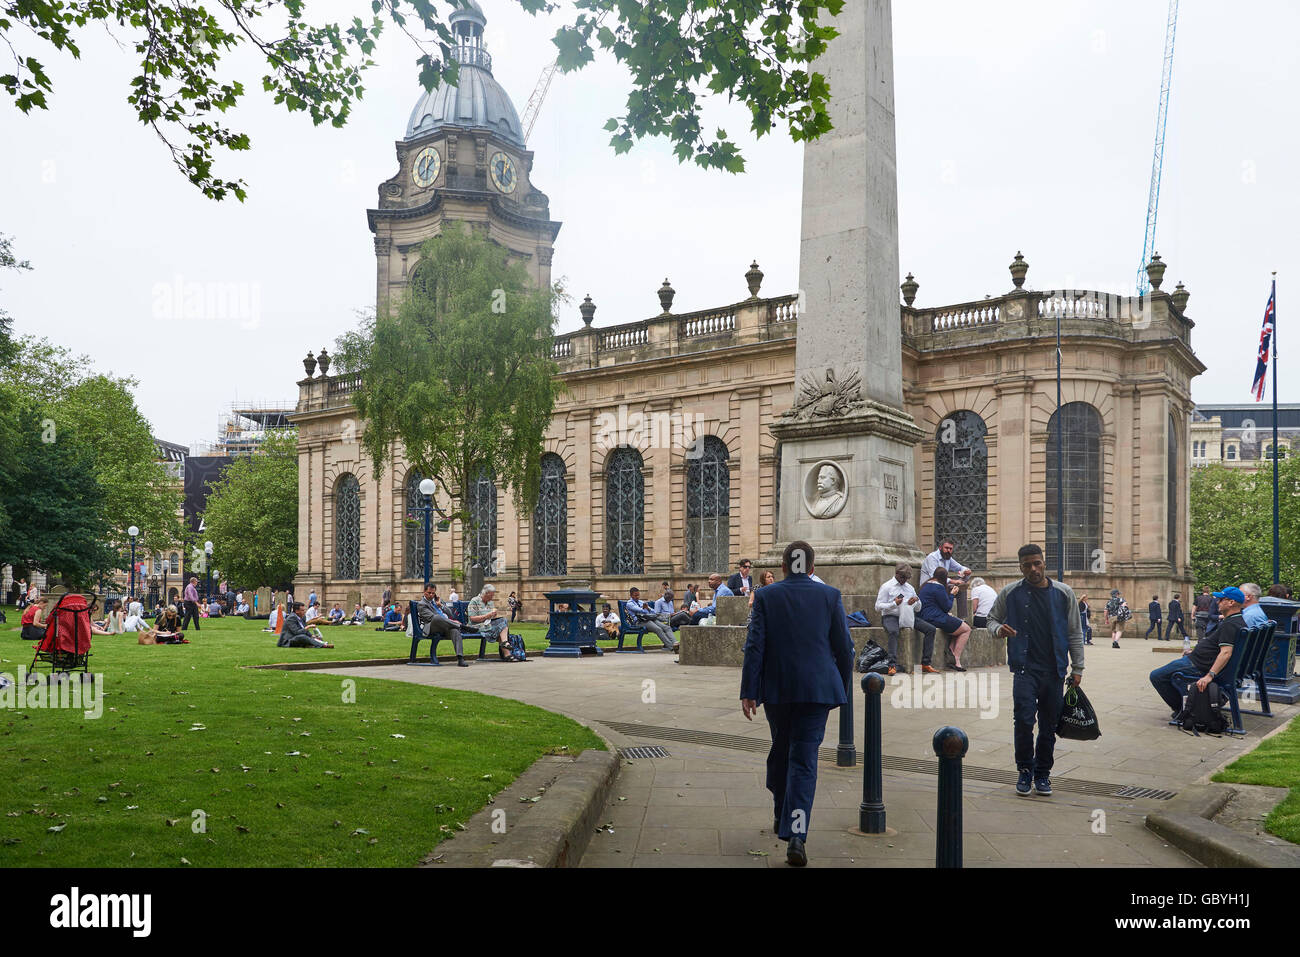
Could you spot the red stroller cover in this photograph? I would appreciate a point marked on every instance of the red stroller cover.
(68, 627)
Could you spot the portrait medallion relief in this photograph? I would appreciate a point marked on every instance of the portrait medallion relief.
(825, 490)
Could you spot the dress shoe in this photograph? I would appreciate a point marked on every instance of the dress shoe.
(928, 670)
(795, 855)
(462, 663)
(892, 671)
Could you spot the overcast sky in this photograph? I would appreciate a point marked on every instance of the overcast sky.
(1021, 126)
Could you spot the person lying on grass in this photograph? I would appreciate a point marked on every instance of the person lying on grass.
(297, 635)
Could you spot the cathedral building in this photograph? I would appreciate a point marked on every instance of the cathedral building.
(659, 463)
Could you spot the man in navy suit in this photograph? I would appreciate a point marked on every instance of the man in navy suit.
(798, 661)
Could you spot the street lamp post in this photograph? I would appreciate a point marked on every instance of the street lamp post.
(207, 551)
(427, 488)
(133, 531)
(167, 565)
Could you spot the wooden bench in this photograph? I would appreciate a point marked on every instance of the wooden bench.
(467, 632)
(627, 627)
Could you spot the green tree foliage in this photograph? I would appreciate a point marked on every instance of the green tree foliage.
(1232, 524)
(252, 515)
(676, 50)
(52, 500)
(8, 260)
(461, 379)
(95, 416)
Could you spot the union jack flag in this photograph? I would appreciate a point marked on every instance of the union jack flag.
(1265, 337)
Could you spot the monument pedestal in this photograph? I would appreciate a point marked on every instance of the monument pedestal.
(846, 486)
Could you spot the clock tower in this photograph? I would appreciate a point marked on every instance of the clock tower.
(463, 159)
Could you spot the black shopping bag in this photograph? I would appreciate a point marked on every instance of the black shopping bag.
(1078, 719)
(873, 658)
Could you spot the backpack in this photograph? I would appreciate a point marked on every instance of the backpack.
(1203, 711)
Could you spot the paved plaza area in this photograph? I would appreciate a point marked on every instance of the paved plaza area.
(704, 803)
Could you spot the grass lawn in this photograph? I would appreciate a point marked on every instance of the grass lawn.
(197, 760)
(1275, 763)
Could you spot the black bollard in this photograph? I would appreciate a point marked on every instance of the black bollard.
(846, 752)
(871, 812)
(950, 745)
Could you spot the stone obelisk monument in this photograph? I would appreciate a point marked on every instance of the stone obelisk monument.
(846, 444)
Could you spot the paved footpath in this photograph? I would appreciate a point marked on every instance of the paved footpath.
(705, 805)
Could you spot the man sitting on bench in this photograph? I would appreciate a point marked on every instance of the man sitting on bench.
(434, 623)
(294, 634)
(640, 615)
(487, 620)
(1208, 658)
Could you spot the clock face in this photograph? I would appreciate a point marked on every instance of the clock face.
(426, 166)
(503, 172)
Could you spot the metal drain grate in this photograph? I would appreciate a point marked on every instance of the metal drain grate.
(644, 751)
(737, 742)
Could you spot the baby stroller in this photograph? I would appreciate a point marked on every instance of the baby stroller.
(66, 645)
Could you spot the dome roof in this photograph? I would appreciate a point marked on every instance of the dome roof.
(478, 101)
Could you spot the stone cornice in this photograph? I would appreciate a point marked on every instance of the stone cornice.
(876, 418)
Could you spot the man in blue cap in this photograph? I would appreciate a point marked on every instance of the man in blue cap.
(1206, 661)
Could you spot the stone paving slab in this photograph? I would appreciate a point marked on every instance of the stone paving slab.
(706, 806)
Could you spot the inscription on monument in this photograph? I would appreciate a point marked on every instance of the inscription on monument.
(892, 491)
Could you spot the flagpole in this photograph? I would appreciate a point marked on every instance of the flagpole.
(1277, 575)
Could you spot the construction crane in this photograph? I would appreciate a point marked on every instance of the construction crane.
(1158, 160)
(543, 86)
(535, 101)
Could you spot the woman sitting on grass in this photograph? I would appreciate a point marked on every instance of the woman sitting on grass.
(33, 621)
(166, 629)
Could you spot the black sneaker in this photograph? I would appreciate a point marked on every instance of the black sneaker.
(1025, 783)
(1043, 786)
(1114, 644)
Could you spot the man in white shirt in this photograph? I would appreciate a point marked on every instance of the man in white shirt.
(135, 608)
(453, 597)
(942, 556)
(608, 621)
(983, 596)
(896, 594)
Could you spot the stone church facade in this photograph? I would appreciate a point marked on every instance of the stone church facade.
(659, 463)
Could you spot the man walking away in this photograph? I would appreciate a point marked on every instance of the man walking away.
(1153, 613)
(1175, 618)
(1204, 604)
(798, 661)
(191, 599)
(1039, 618)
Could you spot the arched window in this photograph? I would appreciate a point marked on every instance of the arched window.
(481, 536)
(1171, 484)
(624, 513)
(961, 486)
(551, 520)
(1080, 460)
(414, 521)
(176, 563)
(708, 508)
(421, 282)
(347, 527)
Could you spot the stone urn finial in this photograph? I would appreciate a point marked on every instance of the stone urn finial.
(1156, 271)
(754, 278)
(1180, 297)
(310, 365)
(323, 358)
(909, 287)
(588, 310)
(666, 293)
(1018, 269)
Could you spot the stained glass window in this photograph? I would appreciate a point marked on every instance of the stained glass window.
(481, 536)
(551, 520)
(624, 513)
(414, 522)
(347, 527)
(1081, 472)
(961, 486)
(708, 508)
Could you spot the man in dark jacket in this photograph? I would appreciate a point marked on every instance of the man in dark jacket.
(1208, 658)
(798, 662)
(1153, 613)
(294, 634)
(1175, 618)
(1039, 618)
(742, 582)
(434, 621)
